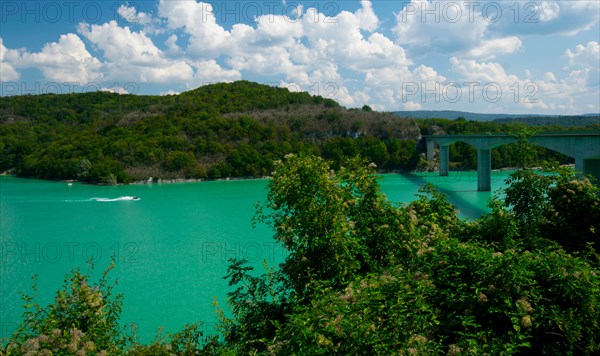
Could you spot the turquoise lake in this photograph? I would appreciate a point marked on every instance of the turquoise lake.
(171, 246)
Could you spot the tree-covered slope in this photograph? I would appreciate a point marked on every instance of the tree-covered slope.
(220, 130)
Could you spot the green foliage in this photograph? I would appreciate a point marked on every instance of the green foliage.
(334, 224)
(185, 342)
(526, 151)
(82, 319)
(417, 279)
(557, 206)
(259, 306)
(216, 131)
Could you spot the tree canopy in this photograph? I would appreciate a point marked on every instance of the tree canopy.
(215, 131)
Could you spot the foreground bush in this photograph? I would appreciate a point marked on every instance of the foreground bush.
(365, 276)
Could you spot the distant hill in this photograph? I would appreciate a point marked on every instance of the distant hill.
(565, 121)
(531, 119)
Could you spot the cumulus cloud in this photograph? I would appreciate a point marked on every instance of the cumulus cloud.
(492, 84)
(348, 56)
(116, 90)
(172, 46)
(342, 40)
(169, 92)
(366, 17)
(133, 56)
(490, 48)
(585, 60)
(7, 58)
(65, 61)
(209, 71)
(207, 38)
(411, 105)
(485, 29)
(420, 25)
(545, 17)
(308, 50)
(484, 72)
(149, 23)
(586, 56)
(277, 30)
(120, 44)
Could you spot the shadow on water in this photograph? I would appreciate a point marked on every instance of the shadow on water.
(460, 187)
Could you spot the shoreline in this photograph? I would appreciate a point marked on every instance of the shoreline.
(152, 180)
(142, 182)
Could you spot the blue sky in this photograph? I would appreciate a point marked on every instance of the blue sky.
(481, 56)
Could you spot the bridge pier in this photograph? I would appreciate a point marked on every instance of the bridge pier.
(591, 167)
(430, 146)
(585, 166)
(584, 147)
(579, 166)
(444, 160)
(484, 170)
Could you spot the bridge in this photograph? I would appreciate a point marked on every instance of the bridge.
(583, 147)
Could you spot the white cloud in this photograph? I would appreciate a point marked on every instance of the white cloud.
(274, 60)
(585, 60)
(149, 23)
(490, 48)
(209, 71)
(348, 56)
(411, 105)
(366, 17)
(341, 40)
(587, 56)
(485, 29)
(400, 87)
(207, 37)
(546, 10)
(133, 56)
(292, 87)
(7, 58)
(117, 90)
(549, 77)
(439, 27)
(169, 92)
(120, 44)
(545, 17)
(65, 61)
(172, 46)
(490, 83)
(474, 71)
(280, 30)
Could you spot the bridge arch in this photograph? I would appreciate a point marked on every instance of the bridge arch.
(583, 147)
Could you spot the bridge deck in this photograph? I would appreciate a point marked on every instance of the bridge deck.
(583, 146)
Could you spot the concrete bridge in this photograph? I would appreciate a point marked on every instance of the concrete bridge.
(584, 147)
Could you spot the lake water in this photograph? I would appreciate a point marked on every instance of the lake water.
(171, 246)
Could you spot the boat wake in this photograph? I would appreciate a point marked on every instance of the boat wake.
(107, 200)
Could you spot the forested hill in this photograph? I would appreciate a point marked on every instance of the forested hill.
(215, 131)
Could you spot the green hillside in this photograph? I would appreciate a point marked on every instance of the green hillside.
(215, 131)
